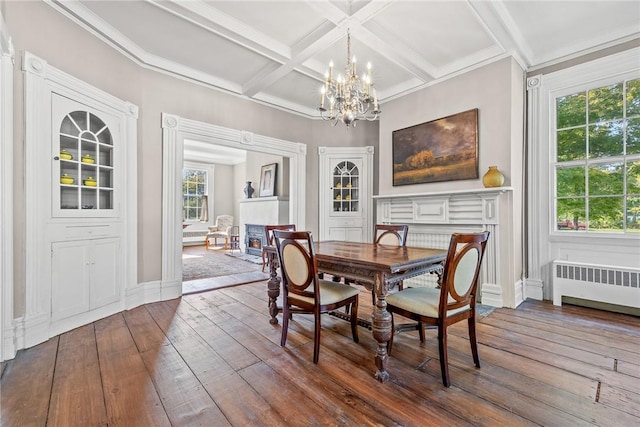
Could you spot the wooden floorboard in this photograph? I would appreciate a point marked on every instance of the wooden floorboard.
(213, 359)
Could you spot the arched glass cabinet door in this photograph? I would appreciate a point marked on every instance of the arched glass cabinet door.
(86, 165)
(346, 187)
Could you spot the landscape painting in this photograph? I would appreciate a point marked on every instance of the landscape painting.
(445, 149)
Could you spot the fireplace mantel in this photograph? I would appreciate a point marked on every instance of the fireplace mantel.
(263, 211)
(476, 206)
(433, 217)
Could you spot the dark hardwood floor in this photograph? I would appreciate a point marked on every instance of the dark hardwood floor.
(213, 359)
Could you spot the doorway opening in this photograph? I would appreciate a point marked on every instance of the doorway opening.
(176, 131)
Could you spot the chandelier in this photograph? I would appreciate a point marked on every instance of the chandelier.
(349, 98)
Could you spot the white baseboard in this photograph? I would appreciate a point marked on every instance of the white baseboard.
(13, 338)
(491, 294)
(533, 288)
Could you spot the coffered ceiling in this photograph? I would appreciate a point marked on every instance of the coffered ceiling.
(277, 52)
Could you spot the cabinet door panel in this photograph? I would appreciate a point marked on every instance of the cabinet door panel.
(105, 287)
(69, 279)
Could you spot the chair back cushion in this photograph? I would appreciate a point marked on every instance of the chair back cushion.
(223, 222)
(299, 267)
(462, 271)
(391, 235)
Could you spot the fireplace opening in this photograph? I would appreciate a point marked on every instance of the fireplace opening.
(254, 239)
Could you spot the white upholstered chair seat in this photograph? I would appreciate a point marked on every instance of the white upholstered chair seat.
(330, 293)
(422, 301)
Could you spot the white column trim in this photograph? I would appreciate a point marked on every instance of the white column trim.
(7, 59)
(175, 130)
(533, 284)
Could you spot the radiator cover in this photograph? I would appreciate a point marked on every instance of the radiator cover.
(602, 283)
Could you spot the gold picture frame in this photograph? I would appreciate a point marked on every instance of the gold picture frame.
(445, 149)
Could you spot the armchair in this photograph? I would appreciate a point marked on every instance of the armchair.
(221, 230)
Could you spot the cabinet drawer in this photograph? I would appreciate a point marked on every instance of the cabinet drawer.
(82, 231)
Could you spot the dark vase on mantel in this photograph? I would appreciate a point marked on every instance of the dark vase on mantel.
(248, 190)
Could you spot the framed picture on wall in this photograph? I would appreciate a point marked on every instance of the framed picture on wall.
(268, 180)
(445, 149)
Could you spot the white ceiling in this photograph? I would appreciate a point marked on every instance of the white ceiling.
(277, 52)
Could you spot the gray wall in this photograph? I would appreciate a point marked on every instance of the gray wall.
(38, 28)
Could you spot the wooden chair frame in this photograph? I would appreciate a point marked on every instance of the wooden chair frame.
(268, 232)
(449, 299)
(304, 294)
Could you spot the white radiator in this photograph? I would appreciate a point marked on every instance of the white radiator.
(194, 237)
(602, 283)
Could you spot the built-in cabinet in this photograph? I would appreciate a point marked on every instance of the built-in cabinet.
(346, 180)
(80, 187)
(85, 276)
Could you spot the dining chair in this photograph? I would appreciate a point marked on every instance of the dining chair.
(453, 302)
(268, 232)
(391, 235)
(303, 291)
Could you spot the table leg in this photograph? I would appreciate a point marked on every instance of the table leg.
(381, 327)
(273, 288)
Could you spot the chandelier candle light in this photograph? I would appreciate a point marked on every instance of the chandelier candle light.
(350, 98)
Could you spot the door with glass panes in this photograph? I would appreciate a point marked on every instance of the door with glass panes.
(345, 193)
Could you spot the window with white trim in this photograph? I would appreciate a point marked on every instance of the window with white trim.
(194, 186)
(597, 159)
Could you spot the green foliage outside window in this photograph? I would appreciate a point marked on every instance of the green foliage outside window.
(598, 159)
(194, 186)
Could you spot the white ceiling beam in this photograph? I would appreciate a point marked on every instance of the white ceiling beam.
(303, 53)
(383, 41)
(211, 19)
(501, 27)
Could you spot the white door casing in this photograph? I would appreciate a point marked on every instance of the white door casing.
(7, 330)
(342, 219)
(175, 130)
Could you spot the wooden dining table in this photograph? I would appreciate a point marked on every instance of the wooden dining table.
(379, 266)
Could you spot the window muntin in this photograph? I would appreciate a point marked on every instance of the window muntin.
(597, 168)
(194, 186)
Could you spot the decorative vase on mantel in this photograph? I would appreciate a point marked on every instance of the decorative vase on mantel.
(493, 177)
(248, 190)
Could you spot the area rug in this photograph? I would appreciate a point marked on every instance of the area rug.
(200, 263)
(245, 257)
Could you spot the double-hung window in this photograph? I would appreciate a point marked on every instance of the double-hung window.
(597, 159)
(194, 187)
